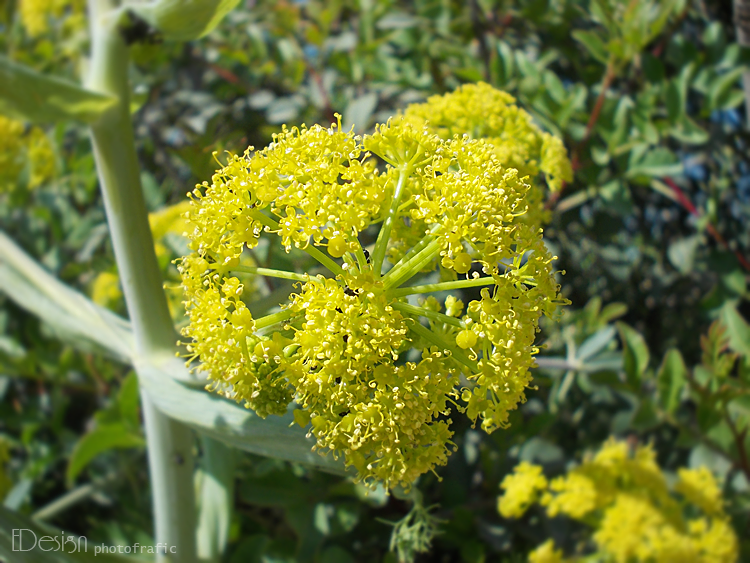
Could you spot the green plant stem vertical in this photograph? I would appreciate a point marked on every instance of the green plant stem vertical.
(170, 444)
(216, 499)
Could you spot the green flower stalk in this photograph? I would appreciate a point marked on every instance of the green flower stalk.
(375, 371)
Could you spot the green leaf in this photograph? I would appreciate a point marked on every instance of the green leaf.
(670, 380)
(733, 99)
(593, 44)
(507, 61)
(721, 88)
(738, 331)
(681, 253)
(35, 290)
(645, 417)
(183, 20)
(101, 439)
(30, 95)
(635, 354)
(224, 420)
(674, 101)
(612, 311)
(689, 132)
(74, 317)
(12, 523)
(658, 162)
(595, 343)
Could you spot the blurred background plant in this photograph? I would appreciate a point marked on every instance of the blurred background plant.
(652, 234)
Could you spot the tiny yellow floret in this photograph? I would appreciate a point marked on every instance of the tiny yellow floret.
(466, 339)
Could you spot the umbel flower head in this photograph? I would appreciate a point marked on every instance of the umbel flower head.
(483, 112)
(374, 367)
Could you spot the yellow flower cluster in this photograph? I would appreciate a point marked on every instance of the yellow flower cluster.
(625, 497)
(547, 553)
(482, 112)
(22, 149)
(522, 489)
(36, 14)
(374, 373)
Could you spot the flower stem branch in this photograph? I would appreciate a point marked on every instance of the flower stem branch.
(310, 249)
(378, 254)
(411, 267)
(274, 318)
(269, 272)
(432, 315)
(442, 286)
(435, 339)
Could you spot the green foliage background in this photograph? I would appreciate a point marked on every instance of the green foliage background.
(651, 234)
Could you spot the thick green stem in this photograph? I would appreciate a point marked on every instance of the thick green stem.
(170, 444)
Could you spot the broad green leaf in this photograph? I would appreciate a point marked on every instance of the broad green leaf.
(635, 354)
(183, 20)
(70, 314)
(39, 98)
(24, 531)
(225, 420)
(280, 488)
(670, 380)
(653, 68)
(612, 311)
(35, 290)
(101, 439)
(593, 44)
